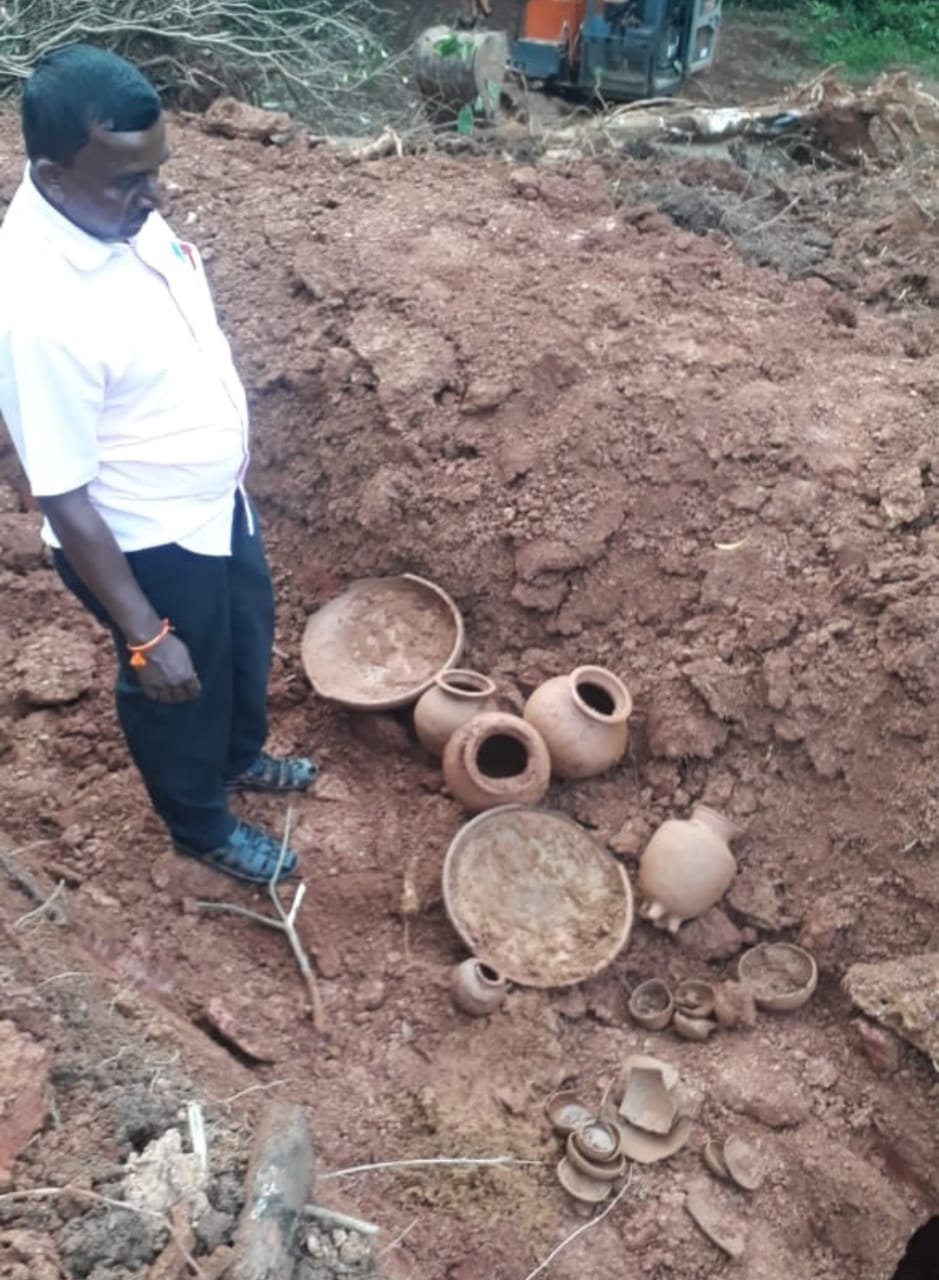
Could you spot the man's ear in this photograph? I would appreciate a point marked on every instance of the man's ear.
(50, 177)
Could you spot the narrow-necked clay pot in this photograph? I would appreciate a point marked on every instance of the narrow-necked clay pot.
(496, 759)
(651, 1004)
(686, 867)
(454, 697)
(583, 719)
(477, 988)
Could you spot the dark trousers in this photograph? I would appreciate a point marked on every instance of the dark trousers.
(222, 608)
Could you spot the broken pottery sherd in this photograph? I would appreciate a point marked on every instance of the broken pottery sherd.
(716, 1224)
(645, 1060)
(651, 1004)
(781, 975)
(686, 867)
(648, 1148)
(567, 1113)
(695, 998)
(476, 988)
(648, 1102)
(693, 1028)
(602, 1170)
(743, 1163)
(578, 1185)
(583, 719)
(712, 1153)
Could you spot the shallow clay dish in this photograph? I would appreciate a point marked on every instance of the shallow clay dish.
(382, 643)
(647, 1148)
(567, 1113)
(536, 894)
(599, 1170)
(578, 1185)
(781, 975)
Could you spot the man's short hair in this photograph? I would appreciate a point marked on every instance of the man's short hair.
(77, 87)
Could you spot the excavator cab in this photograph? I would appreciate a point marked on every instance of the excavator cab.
(619, 50)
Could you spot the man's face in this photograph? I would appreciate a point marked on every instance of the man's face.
(111, 186)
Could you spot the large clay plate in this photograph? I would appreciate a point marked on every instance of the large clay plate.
(533, 894)
(382, 642)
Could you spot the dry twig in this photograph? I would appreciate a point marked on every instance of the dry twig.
(48, 908)
(493, 1162)
(285, 922)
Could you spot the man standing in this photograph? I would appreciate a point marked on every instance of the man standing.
(131, 424)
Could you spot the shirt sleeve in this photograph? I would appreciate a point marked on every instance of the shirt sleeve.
(51, 399)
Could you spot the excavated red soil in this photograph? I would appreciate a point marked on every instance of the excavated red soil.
(612, 441)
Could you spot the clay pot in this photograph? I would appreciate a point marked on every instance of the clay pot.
(695, 998)
(476, 988)
(496, 759)
(582, 718)
(686, 867)
(567, 1113)
(781, 975)
(601, 1170)
(651, 1004)
(454, 697)
(580, 1186)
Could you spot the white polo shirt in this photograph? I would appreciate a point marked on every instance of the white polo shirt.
(114, 374)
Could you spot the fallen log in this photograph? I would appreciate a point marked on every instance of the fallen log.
(278, 1185)
(458, 69)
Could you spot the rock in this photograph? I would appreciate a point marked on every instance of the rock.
(902, 994)
(571, 1004)
(711, 936)
(54, 667)
(27, 1255)
(21, 548)
(703, 1204)
(734, 1005)
(606, 1001)
(631, 838)
(233, 119)
(880, 1048)
(229, 1026)
(769, 1096)
(482, 395)
(163, 1175)
(826, 927)
(371, 994)
(902, 499)
(24, 1071)
(757, 900)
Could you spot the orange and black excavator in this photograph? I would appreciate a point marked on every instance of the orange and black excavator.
(613, 49)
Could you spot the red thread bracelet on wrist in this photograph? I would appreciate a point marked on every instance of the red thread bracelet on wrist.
(138, 651)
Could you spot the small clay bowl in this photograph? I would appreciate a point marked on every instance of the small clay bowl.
(603, 1171)
(693, 1028)
(578, 1185)
(744, 1164)
(781, 975)
(651, 1005)
(599, 1141)
(695, 998)
(567, 1113)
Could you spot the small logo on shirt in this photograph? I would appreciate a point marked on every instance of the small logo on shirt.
(185, 252)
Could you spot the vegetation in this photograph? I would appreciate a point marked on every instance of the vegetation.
(866, 35)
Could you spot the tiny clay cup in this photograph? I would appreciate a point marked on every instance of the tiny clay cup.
(476, 988)
(455, 697)
(686, 867)
(651, 1004)
(583, 720)
(496, 759)
(695, 998)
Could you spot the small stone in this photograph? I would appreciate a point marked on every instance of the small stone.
(712, 936)
(372, 994)
(21, 548)
(227, 1024)
(902, 498)
(233, 119)
(354, 1251)
(734, 1005)
(571, 1004)
(54, 667)
(901, 994)
(880, 1048)
(631, 838)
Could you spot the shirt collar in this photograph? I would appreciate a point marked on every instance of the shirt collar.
(84, 252)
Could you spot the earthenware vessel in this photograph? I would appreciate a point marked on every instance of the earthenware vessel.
(601, 1170)
(496, 759)
(598, 1140)
(583, 719)
(648, 1148)
(690, 1028)
(686, 867)
(454, 697)
(781, 975)
(476, 988)
(650, 1101)
(695, 998)
(651, 1004)
(567, 1113)
(578, 1185)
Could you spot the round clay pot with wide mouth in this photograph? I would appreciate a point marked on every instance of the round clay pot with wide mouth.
(583, 720)
(496, 759)
(476, 988)
(686, 867)
(454, 697)
(651, 1004)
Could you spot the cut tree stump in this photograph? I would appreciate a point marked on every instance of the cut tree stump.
(278, 1185)
(457, 69)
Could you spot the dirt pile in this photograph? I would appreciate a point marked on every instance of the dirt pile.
(613, 441)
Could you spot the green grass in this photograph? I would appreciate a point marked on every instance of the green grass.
(868, 36)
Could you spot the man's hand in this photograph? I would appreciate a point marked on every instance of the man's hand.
(168, 675)
(90, 548)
